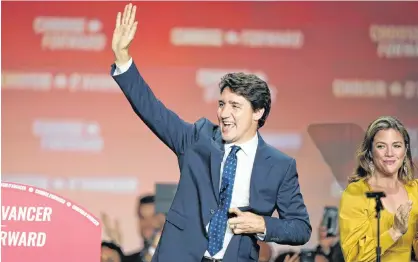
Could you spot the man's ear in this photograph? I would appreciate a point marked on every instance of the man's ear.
(258, 114)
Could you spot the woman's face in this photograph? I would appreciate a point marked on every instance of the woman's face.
(388, 152)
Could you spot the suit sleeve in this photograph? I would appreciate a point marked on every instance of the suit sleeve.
(293, 226)
(356, 233)
(164, 123)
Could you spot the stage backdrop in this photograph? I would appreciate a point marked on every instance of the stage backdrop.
(332, 68)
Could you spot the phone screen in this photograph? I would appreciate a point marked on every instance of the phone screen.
(330, 221)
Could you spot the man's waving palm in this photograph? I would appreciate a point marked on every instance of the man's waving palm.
(124, 34)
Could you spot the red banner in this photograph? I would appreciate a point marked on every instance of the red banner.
(39, 226)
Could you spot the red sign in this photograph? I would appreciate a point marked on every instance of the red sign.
(37, 225)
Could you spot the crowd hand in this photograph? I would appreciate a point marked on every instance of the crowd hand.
(321, 258)
(326, 242)
(294, 258)
(246, 222)
(400, 223)
(124, 33)
(156, 239)
(148, 256)
(113, 232)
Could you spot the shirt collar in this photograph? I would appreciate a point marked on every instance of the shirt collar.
(249, 147)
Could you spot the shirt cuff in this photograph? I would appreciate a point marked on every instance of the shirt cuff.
(262, 236)
(123, 68)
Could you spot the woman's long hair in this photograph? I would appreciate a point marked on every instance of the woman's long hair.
(364, 152)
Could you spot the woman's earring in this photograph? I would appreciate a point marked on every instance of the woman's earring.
(405, 168)
(371, 166)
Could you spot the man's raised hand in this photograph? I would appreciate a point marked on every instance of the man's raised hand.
(124, 34)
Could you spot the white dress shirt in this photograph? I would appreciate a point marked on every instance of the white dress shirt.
(122, 68)
(241, 190)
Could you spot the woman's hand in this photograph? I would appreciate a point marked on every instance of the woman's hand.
(400, 223)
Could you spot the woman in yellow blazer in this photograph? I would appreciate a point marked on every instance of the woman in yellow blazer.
(384, 164)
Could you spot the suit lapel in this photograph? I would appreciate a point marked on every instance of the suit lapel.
(259, 173)
(216, 156)
(260, 170)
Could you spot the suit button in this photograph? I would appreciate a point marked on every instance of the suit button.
(212, 211)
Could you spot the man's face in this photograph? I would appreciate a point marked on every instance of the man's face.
(146, 221)
(109, 255)
(237, 120)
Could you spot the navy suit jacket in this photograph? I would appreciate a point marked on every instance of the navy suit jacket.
(199, 149)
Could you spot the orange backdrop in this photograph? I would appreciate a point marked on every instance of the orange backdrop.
(67, 127)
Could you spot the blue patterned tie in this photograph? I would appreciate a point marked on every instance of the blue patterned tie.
(218, 223)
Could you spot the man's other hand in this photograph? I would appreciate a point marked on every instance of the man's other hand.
(246, 222)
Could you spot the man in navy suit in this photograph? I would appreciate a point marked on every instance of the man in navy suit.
(231, 181)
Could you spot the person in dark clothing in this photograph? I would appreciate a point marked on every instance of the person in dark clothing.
(111, 252)
(148, 224)
(329, 247)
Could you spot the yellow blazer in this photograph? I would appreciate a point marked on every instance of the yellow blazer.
(358, 226)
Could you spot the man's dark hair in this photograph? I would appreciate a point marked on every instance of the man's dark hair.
(115, 247)
(252, 88)
(148, 199)
(144, 200)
